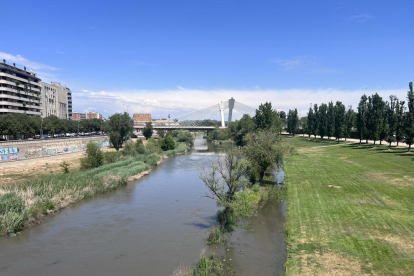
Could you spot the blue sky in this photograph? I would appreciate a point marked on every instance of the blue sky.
(171, 56)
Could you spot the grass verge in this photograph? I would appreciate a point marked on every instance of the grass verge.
(350, 209)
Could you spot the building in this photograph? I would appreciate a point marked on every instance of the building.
(20, 91)
(86, 116)
(141, 118)
(55, 100)
(69, 95)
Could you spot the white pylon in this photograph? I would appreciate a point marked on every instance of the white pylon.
(221, 107)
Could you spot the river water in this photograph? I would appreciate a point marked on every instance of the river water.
(149, 227)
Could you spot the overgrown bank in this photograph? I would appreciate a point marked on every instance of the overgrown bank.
(349, 209)
(24, 204)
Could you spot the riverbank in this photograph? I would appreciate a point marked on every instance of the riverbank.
(349, 209)
(25, 204)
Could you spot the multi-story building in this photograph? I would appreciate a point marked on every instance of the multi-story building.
(55, 100)
(141, 118)
(86, 116)
(69, 95)
(19, 91)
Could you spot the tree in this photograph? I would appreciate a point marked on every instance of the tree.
(375, 118)
(330, 123)
(322, 120)
(147, 131)
(167, 143)
(224, 178)
(93, 157)
(362, 118)
(339, 111)
(292, 122)
(185, 136)
(311, 122)
(315, 128)
(239, 129)
(399, 125)
(121, 124)
(409, 118)
(349, 119)
(161, 133)
(115, 138)
(264, 150)
(265, 117)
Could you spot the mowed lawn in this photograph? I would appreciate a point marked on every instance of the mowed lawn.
(350, 209)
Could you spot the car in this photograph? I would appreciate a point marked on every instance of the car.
(67, 134)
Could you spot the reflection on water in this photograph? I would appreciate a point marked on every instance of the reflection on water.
(146, 228)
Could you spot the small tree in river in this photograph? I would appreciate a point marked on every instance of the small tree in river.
(224, 178)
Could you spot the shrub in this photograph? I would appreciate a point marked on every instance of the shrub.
(11, 202)
(153, 146)
(161, 133)
(129, 148)
(65, 167)
(167, 143)
(112, 156)
(214, 235)
(185, 136)
(139, 147)
(93, 158)
(114, 138)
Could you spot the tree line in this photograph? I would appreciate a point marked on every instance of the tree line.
(25, 125)
(375, 119)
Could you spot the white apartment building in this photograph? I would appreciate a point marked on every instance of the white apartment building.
(19, 91)
(56, 100)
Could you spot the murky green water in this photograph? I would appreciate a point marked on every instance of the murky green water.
(146, 228)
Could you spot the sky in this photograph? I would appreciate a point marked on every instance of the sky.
(171, 57)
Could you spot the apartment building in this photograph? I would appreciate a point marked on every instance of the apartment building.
(19, 91)
(86, 116)
(55, 100)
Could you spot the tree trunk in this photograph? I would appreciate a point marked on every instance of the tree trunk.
(261, 177)
(224, 219)
(389, 147)
(409, 147)
(397, 143)
(360, 140)
(380, 142)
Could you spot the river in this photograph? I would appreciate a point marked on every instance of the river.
(149, 227)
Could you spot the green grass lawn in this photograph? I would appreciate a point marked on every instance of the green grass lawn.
(350, 209)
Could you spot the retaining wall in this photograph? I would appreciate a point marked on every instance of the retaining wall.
(20, 150)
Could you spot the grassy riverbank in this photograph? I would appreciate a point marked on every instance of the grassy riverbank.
(350, 209)
(24, 204)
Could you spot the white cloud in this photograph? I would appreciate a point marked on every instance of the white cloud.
(18, 59)
(180, 101)
(359, 18)
(289, 64)
(60, 52)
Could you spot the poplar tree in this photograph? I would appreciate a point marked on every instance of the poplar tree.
(399, 125)
(311, 122)
(293, 121)
(391, 108)
(315, 120)
(362, 118)
(330, 121)
(339, 112)
(322, 120)
(376, 108)
(409, 118)
(349, 119)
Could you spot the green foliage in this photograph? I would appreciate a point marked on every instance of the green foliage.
(292, 122)
(11, 202)
(139, 147)
(239, 129)
(218, 134)
(339, 120)
(185, 136)
(214, 235)
(11, 223)
(121, 124)
(64, 166)
(409, 118)
(153, 146)
(112, 156)
(161, 133)
(323, 120)
(211, 267)
(114, 138)
(167, 143)
(147, 130)
(265, 117)
(94, 157)
(129, 148)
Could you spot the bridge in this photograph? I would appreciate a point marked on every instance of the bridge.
(205, 119)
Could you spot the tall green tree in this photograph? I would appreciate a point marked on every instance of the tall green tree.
(330, 126)
(376, 116)
(311, 122)
(349, 119)
(122, 124)
(409, 118)
(362, 118)
(147, 131)
(241, 128)
(292, 122)
(339, 113)
(399, 125)
(315, 129)
(322, 120)
(265, 117)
